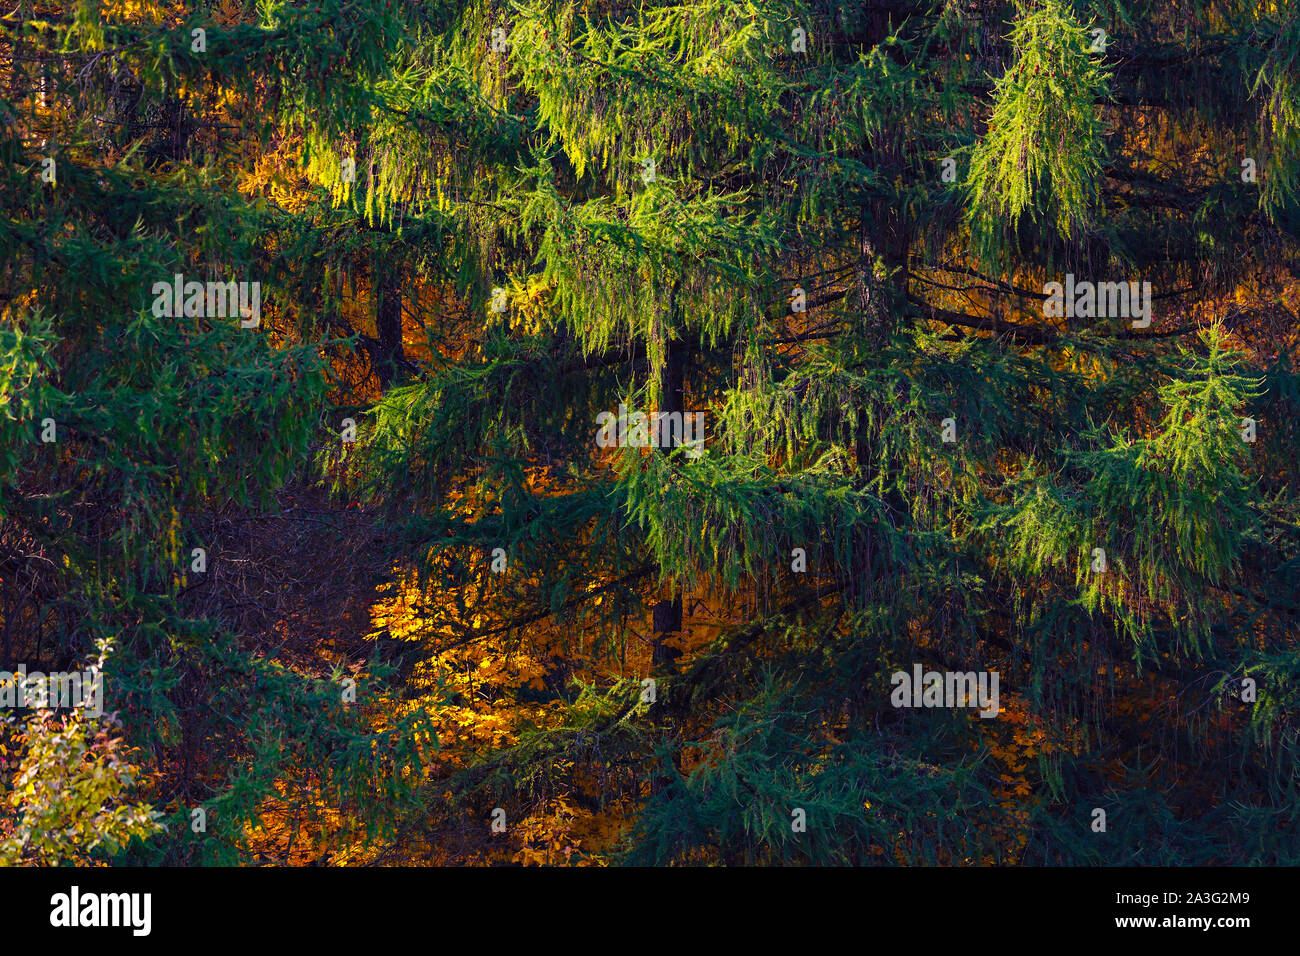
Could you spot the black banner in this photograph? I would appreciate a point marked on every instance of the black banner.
(336, 907)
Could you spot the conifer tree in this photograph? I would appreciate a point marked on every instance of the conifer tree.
(135, 433)
(988, 308)
(755, 201)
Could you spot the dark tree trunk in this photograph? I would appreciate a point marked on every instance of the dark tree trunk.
(388, 329)
(668, 612)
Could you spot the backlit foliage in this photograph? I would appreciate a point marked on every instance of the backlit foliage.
(479, 225)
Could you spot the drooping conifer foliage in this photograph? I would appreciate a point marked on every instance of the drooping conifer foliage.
(986, 312)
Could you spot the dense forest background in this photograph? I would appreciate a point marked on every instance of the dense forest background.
(364, 585)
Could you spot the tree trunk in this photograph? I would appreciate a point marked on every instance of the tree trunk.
(667, 613)
(388, 329)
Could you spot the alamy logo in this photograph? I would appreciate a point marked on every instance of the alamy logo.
(1088, 300)
(659, 430)
(217, 300)
(946, 689)
(74, 909)
(66, 689)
